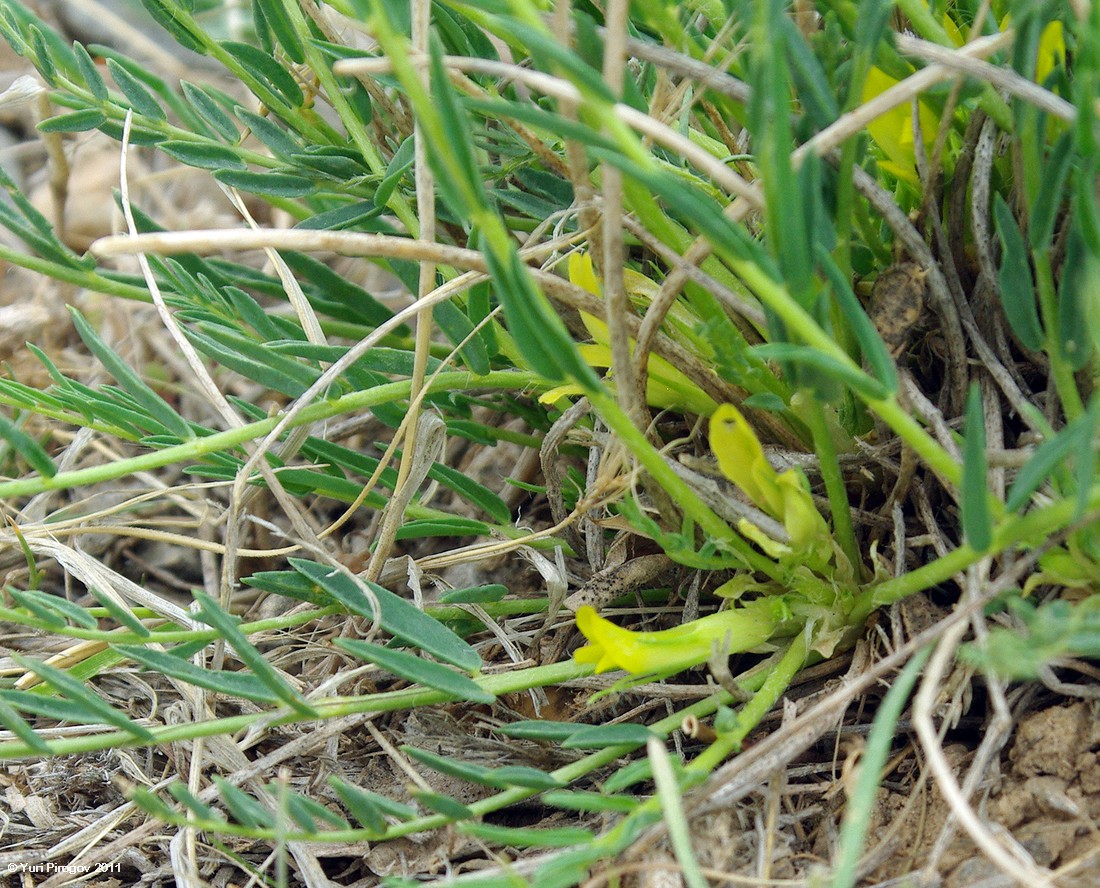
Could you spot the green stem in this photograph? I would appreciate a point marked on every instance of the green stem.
(1060, 368)
(652, 461)
(221, 441)
(389, 701)
(803, 326)
(834, 482)
(1021, 529)
(774, 686)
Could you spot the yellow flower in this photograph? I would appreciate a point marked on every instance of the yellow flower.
(666, 387)
(893, 131)
(782, 496)
(747, 625)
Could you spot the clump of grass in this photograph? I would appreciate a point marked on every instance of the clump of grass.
(789, 314)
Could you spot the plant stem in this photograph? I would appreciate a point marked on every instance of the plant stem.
(227, 440)
(834, 482)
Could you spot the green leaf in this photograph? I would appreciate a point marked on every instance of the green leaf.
(232, 684)
(521, 775)
(852, 376)
(602, 736)
(442, 527)
(871, 346)
(154, 404)
(121, 614)
(590, 802)
(283, 28)
(341, 218)
(305, 812)
(555, 732)
(521, 837)
(270, 133)
(141, 100)
(467, 771)
(245, 809)
(170, 18)
(268, 184)
(212, 614)
(442, 804)
(458, 329)
(78, 693)
(474, 595)
(1048, 202)
(90, 72)
(11, 720)
(210, 111)
(396, 615)
(53, 608)
(189, 800)
(1017, 289)
(368, 807)
(27, 448)
(76, 122)
(1079, 301)
(204, 155)
(266, 70)
(977, 522)
(417, 670)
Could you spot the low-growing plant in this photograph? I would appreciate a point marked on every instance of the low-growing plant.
(794, 309)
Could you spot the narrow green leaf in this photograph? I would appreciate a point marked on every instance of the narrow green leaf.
(210, 111)
(521, 775)
(204, 155)
(189, 800)
(861, 803)
(1079, 300)
(283, 28)
(553, 731)
(467, 771)
(175, 22)
(156, 406)
(90, 701)
(397, 616)
(871, 346)
(253, 360)
(457, 328)
(121, 615)
(977, 522)
(1017, 289)
(139, 97)
(270, 133)
(265, 69)
(474, 595)
(232, 684)
(445, 527)
(417, 670)
(212, 614)
(341, 218)
(305, 812)
(601, 736)
(851, 376)
(59, 609)
(525, 837)
(1048, 201)
(148, 802)
(245, 809)
(368, 807)
(590, 802)
(76, 122)
(269, 184)
(11, 720)
(445, 805)
(90, 72)
(27, 448)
